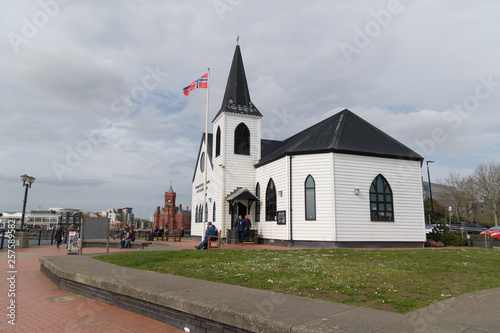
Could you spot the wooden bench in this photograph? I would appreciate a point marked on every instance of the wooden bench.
(157, 235)
(214, 241)
(175, 234)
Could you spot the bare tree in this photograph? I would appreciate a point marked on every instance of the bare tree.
(461, 193)
(487, 186)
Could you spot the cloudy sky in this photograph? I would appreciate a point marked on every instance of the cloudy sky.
(91, 91)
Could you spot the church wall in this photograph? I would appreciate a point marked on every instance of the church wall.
(320, 167)
(353, 211)
(197, 194)
(278, 171)
(239, 169)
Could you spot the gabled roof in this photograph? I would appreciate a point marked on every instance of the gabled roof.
(237, 97)
(241, 193)
(209, 153)
(343, 132)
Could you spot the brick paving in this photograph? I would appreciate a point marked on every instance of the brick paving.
(42, 307)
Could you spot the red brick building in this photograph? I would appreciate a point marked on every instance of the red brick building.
(172, 216)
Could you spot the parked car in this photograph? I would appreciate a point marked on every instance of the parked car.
(469, 227)
(493, 232)
(431, 228)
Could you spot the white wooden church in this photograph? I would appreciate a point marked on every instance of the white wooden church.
(339, 183)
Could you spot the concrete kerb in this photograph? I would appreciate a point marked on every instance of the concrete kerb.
(238, 307)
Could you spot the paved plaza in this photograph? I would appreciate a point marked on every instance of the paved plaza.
(41, 306)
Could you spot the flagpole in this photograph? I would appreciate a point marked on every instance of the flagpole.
(206, 159)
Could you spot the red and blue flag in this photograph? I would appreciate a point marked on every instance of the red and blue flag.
(202, 82)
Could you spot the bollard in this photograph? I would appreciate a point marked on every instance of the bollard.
(469, 241)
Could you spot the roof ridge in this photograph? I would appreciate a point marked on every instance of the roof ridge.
(322, 124)
(340, 127)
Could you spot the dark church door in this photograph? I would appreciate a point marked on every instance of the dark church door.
(238, 209)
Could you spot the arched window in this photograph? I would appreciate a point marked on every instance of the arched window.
(242, 140)
(381, 204)
(217, 142)
(257, 204)
(206, 212)
(270, 201)
(310, 198)
(200, 213)
(196, 216)
(213, 217)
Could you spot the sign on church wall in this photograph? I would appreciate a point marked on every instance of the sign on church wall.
(281, 217)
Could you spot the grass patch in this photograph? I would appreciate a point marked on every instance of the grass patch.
(399, 281)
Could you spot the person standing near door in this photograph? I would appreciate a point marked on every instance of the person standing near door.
(240, 226)
(248, 225)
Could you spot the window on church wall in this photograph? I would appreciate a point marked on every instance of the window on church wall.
(257, 204)
(202, 162)
(270, 201)
(381, 203)
(196, 215)
(217, 142)
(213, 215)
(206, 212)
(242, 140)
(310, 198)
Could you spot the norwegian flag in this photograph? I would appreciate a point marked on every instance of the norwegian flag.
(202, 82)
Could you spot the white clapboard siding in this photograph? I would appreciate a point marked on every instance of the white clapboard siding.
(353, 211)
(278, 171)
(320, 167)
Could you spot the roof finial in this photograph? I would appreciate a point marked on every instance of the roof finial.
(237, 39)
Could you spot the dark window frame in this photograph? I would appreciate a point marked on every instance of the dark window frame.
(257, 204)
(217, 142)
(213, 214)
(306, 204)
(381, 200)
(271, 205)
(242, 140)
(202, 162)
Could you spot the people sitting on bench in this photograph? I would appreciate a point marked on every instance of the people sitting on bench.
(211, 231)
(153, 234)
(130, 237)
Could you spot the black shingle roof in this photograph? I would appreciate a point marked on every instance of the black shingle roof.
(237, 97)
(343, 132)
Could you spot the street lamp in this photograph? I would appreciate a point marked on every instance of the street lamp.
(27, 181)
(430, 191)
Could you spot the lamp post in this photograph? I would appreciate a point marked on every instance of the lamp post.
(27, 181)
(430, 191)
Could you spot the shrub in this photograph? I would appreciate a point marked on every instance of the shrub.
(447, 239)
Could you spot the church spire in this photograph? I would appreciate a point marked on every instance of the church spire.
(237, 97)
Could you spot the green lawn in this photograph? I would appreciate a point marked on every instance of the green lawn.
(398, 281)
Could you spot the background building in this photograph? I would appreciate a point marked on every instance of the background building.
(172, 216)
(124, 215)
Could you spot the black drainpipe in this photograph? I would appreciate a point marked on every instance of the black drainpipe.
(291, 229)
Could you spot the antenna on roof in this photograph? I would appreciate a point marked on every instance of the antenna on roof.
(237, 39)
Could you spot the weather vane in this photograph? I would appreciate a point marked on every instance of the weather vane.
(237, 39)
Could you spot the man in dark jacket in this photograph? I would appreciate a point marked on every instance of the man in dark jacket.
(240, 226)
(211, 231)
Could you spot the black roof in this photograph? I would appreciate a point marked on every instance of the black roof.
(343, 132)
(237, 97)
